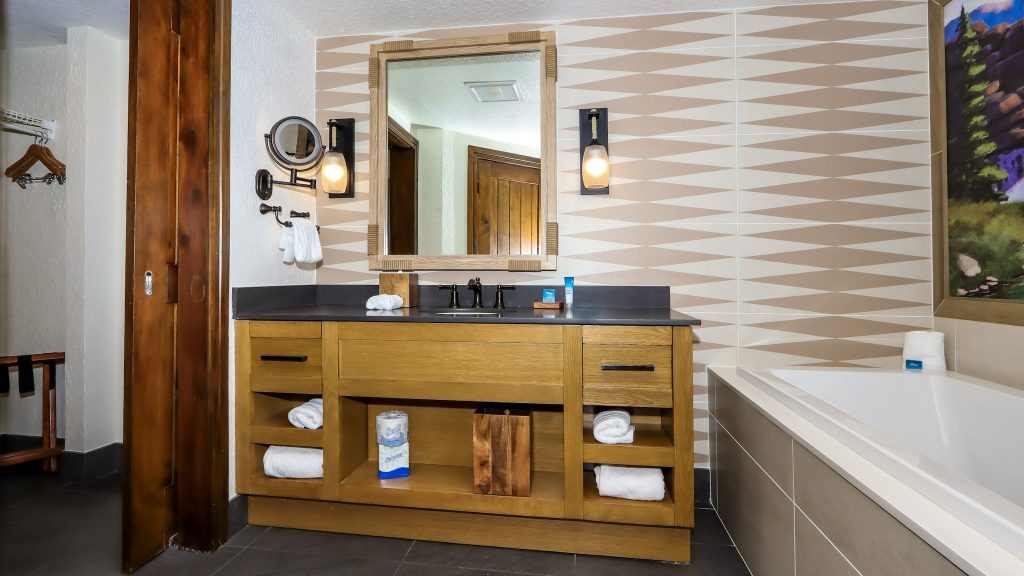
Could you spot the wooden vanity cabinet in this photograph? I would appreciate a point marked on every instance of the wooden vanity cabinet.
(440, 374)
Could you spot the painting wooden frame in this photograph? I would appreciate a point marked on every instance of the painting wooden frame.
(380, 55)
(945, 305)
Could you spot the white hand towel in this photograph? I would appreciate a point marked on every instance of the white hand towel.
(287, 244)
(307, 242)
(630, 483)
(926, 347)
(293, 462)
(613, 427)
(384, 302)
(309, 415)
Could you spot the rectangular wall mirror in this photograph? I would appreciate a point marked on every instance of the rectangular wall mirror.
(463, 156)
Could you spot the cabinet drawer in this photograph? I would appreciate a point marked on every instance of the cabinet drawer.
(628, 335)
(467, 371)
(627, 375)
(279, 329)
(286, 365)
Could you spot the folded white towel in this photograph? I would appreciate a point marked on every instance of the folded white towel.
(384, 302)
(613, 427)
(287, 244)
(927, 347)
(309, 415)
(307, 242)
(293, 462)
(630, 483)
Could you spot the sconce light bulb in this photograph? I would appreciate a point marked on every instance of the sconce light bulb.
(595, 166)
(334, 173)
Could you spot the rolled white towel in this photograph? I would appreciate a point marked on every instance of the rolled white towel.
(293, 462)
(630, 483)
(613, 427)
(309, 415)
(384, 302)
(287, 243)
(307, 242)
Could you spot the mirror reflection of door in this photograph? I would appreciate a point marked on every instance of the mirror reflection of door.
(403, 159)
(503, 202)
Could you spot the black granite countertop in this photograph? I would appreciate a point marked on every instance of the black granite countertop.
(598, 305)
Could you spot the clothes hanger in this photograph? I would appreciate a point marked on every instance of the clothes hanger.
(36, 153)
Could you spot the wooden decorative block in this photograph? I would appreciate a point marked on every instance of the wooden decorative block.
(402, 284)
(538, 305)
(501, 451)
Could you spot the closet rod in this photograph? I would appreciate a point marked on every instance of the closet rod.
(25, 124)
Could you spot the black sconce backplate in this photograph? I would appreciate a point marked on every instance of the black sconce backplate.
(586, 137)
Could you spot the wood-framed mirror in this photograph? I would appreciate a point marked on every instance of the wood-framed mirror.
(462, 154)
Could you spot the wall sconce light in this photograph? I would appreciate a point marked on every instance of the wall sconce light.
(337, 170)
(595, 169)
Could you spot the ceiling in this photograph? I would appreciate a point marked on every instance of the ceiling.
(432, 92)
(34, 23)
(325, 18)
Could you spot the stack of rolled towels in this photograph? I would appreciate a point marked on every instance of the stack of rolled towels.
(629, 482)
(613, 427)
(293, 461)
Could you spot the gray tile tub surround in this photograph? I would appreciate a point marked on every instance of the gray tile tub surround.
(790, 513)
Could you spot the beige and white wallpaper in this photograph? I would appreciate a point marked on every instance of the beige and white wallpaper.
(770, 165)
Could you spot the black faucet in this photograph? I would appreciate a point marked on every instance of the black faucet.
(477, 288)
(453, 302)
(499, 295)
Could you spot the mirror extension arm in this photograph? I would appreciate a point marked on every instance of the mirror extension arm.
(265, 182)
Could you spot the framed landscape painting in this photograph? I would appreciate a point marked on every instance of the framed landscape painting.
(977, 69)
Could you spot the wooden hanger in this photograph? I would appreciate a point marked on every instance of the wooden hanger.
(35, 153)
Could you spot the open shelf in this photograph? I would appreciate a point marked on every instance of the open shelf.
(270, 423)
(443, 487)
(603, 509)
(650, 447)
(263, 485)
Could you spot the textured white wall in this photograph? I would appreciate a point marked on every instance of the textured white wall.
(272, 76)
(97, 115)
(32, 224)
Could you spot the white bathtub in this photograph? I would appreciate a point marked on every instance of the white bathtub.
(956, 440)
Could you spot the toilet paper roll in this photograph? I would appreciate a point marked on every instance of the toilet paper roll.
(392, 428)
(926, 347)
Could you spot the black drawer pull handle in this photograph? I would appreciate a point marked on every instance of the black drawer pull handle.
(273, 358)
(628, 367)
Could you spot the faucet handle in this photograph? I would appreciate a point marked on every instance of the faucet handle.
(453, 302)
(499, 295)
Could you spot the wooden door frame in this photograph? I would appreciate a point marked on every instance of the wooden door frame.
(476, 154)
(403, 136)
(188, 41)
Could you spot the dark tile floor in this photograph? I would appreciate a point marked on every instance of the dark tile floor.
(50, 527)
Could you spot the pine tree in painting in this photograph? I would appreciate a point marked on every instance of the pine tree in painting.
(971, 175)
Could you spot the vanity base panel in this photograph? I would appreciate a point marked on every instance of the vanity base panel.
(552, 535)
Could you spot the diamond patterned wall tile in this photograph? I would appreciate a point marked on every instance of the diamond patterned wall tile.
(658, 32)
(833, 87)
(866, 20)
(834, 177)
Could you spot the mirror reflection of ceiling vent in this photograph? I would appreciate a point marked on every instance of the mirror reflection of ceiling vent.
(499, 91)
